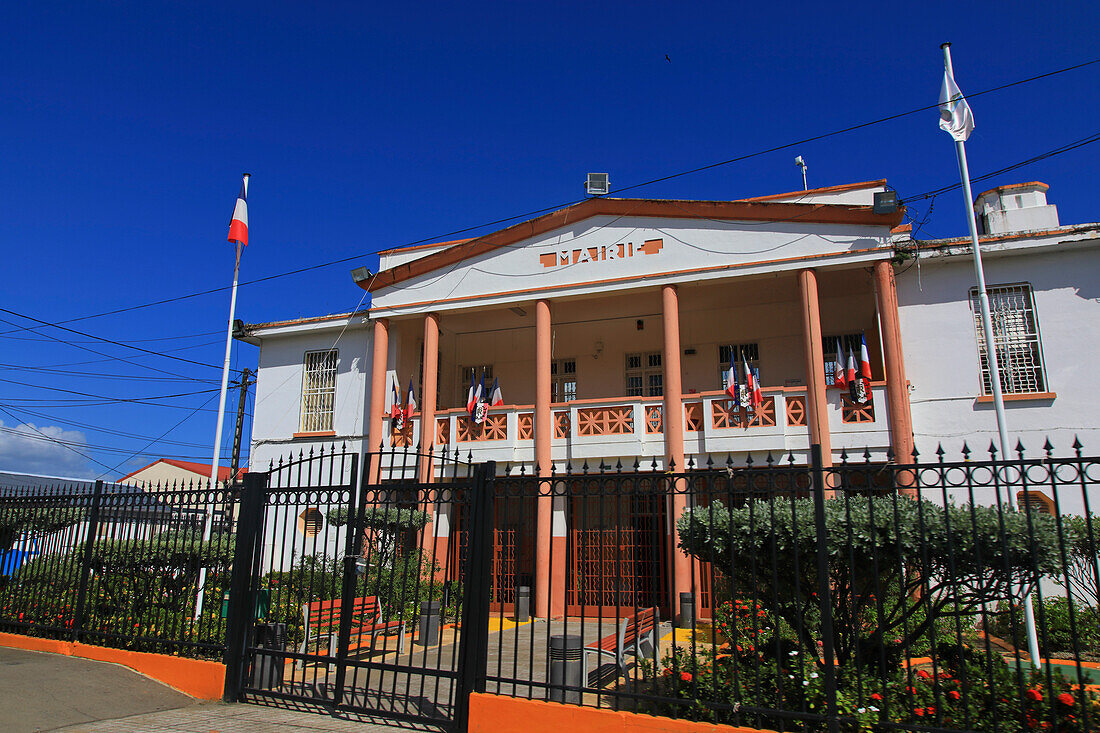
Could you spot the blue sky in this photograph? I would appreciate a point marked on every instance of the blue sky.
(126, 126)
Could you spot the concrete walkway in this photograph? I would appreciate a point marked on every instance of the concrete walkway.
(51, 692)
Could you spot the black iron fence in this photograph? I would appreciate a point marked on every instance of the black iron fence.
(937, 595)
(123, 566)
(864, 595)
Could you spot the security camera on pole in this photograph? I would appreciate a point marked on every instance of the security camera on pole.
(238, 234)
(958, 121)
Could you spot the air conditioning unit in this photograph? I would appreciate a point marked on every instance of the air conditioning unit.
(598, 184)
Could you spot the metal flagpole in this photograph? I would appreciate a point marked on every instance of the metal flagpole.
(209, 524)
(990, 349)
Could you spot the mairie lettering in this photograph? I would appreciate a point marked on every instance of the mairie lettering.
(600, 253)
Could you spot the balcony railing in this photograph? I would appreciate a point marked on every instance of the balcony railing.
(635, 425)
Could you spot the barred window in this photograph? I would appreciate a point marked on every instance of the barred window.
(319, 391)
(1016, 337)
(563, 380)
(749, 352)
(848, 342)
(475, 373)
(645, 375)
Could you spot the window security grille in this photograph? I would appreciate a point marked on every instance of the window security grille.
(751, 353)
(644, 375)
(563, 380)
(1015, 336)
(466, 373)
(319, 391)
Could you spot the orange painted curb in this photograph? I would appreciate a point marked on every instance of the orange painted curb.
(497, 713)
(195, 677)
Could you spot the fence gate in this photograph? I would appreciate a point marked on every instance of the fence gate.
(347, 600)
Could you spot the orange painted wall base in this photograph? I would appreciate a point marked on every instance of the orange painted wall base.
(500, 714)
(194, 677)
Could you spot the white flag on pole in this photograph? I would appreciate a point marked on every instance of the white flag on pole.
(955, 115)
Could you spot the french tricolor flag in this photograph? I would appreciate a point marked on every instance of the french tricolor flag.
(731, 377)
(471, 403)
(750, 381)
(838, 367)
(757, 390)
(851, 376)
(238, 227)
(395, 405)
(410, 403)
(496, 399)
(864, 371)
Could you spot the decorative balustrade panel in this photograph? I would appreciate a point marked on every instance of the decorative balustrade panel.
(561, 424)
(526, 425)
(442, 431)
(403, 437)
(495, 427)
(730, 414)
(654, 419)
(617, 420)
(796, 411)
(693, 416)
(856, 412)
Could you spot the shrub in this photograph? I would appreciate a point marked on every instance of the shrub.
(897, 567)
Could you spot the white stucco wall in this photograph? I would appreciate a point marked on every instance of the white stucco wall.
(277, 414)
(941, 349)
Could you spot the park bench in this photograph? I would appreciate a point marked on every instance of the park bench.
(636, 637)
(322, 619)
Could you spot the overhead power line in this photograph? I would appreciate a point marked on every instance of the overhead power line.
(536, 212)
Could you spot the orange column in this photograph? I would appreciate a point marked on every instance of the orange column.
(680, 564)
(375, 434)
(437, 546)
(897, 387)
(549, 578)
(817, 415)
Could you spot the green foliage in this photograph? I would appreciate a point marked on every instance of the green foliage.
(897, 567)
(402, 588)
(17, 521)
(1082, 548)
(965, 690)
(387, 518)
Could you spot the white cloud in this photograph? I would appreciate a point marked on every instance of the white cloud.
(23, 449)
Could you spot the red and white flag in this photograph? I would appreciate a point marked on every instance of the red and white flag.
(851, 376)
(731, 378)
(396, 413)
(757, 390)
(238, 227)
(496, 398)
(838, 366)
(864, 390)
(471, 403)
(749, 391)
(410, 403)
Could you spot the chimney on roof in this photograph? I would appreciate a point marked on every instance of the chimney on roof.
(1018, 207)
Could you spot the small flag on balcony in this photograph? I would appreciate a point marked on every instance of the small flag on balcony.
(731, 378)
(470, 402)
(838, 366)
(396, 413)
(481, 407)
(864, 389)
(496, 399)
(238, 226)
(851, 375)
(757, 390)
(747, 390)
(410, 403)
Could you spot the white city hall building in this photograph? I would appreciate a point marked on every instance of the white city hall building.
(609, 324)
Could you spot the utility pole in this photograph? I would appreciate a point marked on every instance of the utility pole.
(236, 459)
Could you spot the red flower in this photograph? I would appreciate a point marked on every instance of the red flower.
(1066, 699)
(919, 712)
(667, 672)
(685, 676)
(923, 674)
(1034, 694)
(876, 696)
(954, 694)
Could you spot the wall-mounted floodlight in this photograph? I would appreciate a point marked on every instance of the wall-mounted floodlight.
(886, 202)
(598, 184)
(361, 274)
